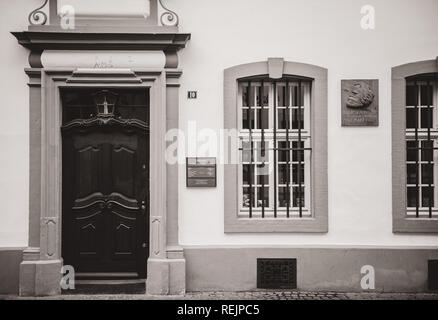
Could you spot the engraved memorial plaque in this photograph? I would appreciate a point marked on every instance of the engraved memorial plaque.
(360, 103)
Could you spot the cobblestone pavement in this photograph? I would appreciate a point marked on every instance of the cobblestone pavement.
(252, 295)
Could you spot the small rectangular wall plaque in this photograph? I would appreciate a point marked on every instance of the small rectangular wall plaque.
(360, 103)
(192, 94)
(201, 172)
(277, 273)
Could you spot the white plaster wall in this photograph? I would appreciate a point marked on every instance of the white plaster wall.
(14, 124)
(231, 32)
(324, 33)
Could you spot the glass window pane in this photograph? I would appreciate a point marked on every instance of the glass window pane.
(283, 197)
(297, 153)
(295, 173)
(244, 96)
(263, 118)
(251, 96)
(411, 95)
(80, 103)
(426, 95)
(265, 95)
(282, 118)
(246, 197)
(263, 174)
(283, 173)
(247, 154)
(427, 173)
(411, 174)
(298, 196)
(411, 118)
(283, 151)
(427, 117)
(427, 196)
(280, 96)
(427, 151)
(412, 197)
(246, 174)
(258, 92)
(298, 120)
(412, 154)
(245, 116)
(262, 151)
(263, 197)
(295, 96)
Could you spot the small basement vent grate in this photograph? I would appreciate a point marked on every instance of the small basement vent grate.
(277, 273)
(433, 275)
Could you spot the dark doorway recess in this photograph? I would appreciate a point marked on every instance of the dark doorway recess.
(105, 181)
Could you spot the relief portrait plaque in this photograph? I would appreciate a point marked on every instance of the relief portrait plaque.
(201, 172)
(360, 103)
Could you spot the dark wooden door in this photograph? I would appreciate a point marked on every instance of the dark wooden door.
(105, 198)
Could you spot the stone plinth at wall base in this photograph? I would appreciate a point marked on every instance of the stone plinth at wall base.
(177, 276)
(166, 277)
(40, 278)
(336, 268)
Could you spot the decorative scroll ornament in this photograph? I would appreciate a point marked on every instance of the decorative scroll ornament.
(106, 121)
(106, 201)
(37, 16)
(169, 17)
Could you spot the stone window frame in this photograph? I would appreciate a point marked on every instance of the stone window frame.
(401, 222)
(277, 68)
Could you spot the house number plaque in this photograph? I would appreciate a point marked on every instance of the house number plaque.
(201, 172)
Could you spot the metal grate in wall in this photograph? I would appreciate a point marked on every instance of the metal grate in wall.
(432, 275)
(276, 273)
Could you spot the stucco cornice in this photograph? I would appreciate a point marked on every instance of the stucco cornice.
(48, 40)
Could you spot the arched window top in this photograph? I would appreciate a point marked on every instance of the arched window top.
(276, 68)
(415, 68)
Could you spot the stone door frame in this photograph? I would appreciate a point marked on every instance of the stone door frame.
(40, 271)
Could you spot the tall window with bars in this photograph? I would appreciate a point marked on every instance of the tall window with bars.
(275, 144)
(421, 147)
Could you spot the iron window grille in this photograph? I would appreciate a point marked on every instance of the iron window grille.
(421, 144)
(275, 140)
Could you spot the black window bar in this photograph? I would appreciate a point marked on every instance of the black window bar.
(275, 149)
(261, 97)
(299, 149)
(423, 147)
(250, 171)
(430, 144)
(286, 125)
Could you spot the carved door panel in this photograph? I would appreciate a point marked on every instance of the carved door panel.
(105, 199)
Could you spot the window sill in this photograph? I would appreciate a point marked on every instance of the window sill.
(412, 224)
(276, 225)
(269, 214)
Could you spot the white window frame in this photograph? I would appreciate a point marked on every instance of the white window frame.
(244, 135)
(422, 136)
